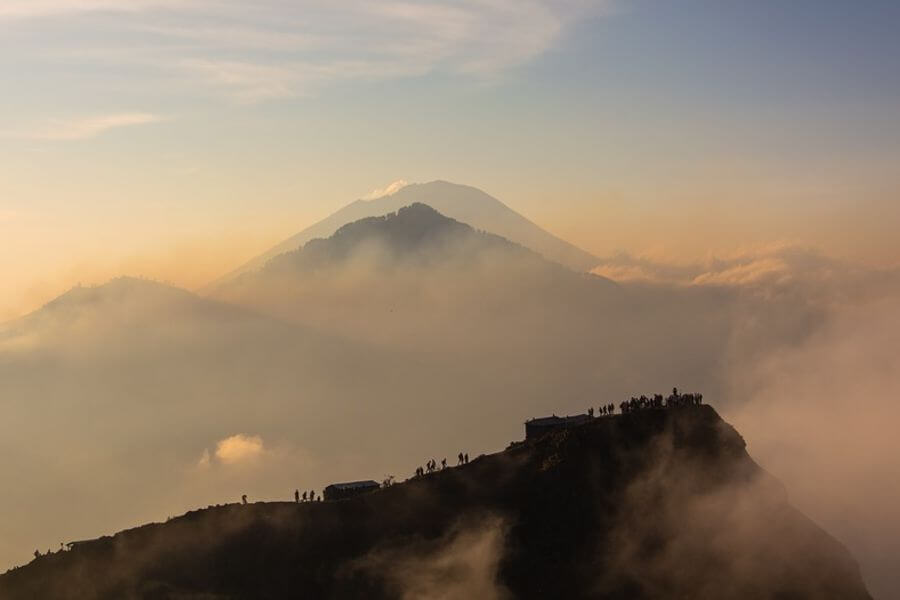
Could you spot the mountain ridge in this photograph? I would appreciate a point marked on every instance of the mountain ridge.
(565, 515)
(463, 203)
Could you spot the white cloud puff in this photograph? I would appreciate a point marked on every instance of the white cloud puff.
(238, 448)
(389, 190)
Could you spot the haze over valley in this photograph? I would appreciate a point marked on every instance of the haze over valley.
(630, 267)
(356, 353)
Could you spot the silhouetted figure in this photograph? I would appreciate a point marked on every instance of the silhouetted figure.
(244, 499)
(319, 498)
(466, 458)
(591, 412)
(304, 496)
(312, 494)
(37, 553)
(443, 463)
(459, 459)
(296, 495)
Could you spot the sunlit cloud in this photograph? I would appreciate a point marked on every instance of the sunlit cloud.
(388, 190)
(238, 448)
(773, 265)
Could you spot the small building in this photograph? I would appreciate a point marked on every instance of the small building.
(76, 544)
(339, 491)
(535, 428)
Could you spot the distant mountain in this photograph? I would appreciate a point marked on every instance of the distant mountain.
(648, 505)
(411, 273)
(119, 298)
(413, 234)
(463, 203)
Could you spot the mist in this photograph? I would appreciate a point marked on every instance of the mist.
(461, 564)
(363, 358)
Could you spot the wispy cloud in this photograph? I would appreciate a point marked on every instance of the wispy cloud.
(29, 9)
(85, 128)
(274, 49)
(388, 190)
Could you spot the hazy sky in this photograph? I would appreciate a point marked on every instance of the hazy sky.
(176, 138)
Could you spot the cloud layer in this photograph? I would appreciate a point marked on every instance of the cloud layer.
(275, 49)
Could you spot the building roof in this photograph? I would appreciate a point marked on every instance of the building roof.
(352, 485)
(554, 420)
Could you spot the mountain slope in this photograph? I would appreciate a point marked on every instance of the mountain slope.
(460, 202)
(414, 234)
(408, 275)
(653, 504)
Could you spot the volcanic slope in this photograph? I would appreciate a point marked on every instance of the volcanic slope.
(651, 504)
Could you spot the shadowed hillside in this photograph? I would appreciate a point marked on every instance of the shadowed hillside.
(652, 504)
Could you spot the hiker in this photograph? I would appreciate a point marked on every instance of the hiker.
(37, 553)
(443, 464)
(459, 459)
(466, 458)
(312, 494)
(296, 495)
(244, 499)
(304, 496)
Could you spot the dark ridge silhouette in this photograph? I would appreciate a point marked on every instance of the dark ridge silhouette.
(464, 203)
(649, 504)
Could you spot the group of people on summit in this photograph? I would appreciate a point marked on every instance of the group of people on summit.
(311, 497)
(673, 400)
(432, 465)
(603, 409)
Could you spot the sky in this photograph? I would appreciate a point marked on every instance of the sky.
(175, 139)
